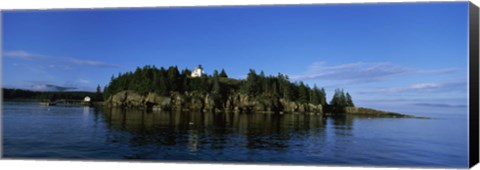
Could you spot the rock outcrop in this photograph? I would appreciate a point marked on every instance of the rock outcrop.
(206, 102)
(360, 111)
(234, 103)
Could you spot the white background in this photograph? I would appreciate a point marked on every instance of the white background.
(88, 165)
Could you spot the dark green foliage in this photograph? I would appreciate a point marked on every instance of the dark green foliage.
(11, 94)
(166, 81)
(349, 101)
(341, 100)
(223, 73)
(303, 93)
(98, 94)
(323, 97)
(252, 84)
(105, 93)
(173, 77)
(316, 96)
(218, 92)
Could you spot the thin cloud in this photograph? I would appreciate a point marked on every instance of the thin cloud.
(91, 63)
(439, 105)
(77, 82)
(353, 72)
(84, 81)
(438, 71)
(72, 61)
(22, 55)
(423, 87)
(361, 72)
(50, 87)
(61, 67)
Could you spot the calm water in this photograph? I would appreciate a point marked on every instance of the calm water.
(33, 131)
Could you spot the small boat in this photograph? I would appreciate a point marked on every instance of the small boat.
(47, 103)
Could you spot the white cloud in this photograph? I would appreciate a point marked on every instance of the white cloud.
(83, 81)
(436, 105)
(361, 72)
(91, 63)
(22, 55)
(422, 86)
(352, 72)
(65, 60)
(456, 85)
(49, 87)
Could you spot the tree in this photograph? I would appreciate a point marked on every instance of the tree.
(323, 97)
(217, 92)
(251, 84)
(341, 100)
(216, 86)
(173, 78)
(164, 81)
(98, 94)
(315, 98)
(185, 80)
(215, 73)
(349, 101)
(275, 88)
(338, 99)
(223, 73)
(106, 93)
(303, 93)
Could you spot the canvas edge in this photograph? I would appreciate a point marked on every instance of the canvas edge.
(473, 85)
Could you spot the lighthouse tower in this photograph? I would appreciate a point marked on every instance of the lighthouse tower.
(197, 72)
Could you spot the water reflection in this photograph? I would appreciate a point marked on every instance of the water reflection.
(218, 131)
(33, 132)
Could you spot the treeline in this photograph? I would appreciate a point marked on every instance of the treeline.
(281, 87)
(165, 81)
(10, 94)
(340, 100)
(159, 80)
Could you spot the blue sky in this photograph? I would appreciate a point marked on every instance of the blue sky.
(388, 56)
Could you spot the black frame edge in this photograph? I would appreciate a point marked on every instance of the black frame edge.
(473, 85)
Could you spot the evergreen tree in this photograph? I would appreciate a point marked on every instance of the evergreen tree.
(106, 93)
(341, 100)
(275, 89)
(98, 94)
(323, 97)
(164, 81)
(251, 84)
(349, 100)
(217, 92)
(216, 85)
(315, 95)
(173, 78)
(223, 73)
(303, 93)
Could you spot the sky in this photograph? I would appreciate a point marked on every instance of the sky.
(392, 56)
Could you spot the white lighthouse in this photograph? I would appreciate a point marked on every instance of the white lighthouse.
(197, 72)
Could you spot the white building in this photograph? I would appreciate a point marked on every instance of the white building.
(197, 72)
(87, 99)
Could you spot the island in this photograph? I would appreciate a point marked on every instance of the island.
(168, 89)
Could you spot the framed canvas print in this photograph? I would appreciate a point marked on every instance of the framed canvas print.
(356, 84)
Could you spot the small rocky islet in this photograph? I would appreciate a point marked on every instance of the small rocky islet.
(237, 103)
(172, 90)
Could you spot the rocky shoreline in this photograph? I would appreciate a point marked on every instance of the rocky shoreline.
(205, 102)
(235, 103)
(367, 112)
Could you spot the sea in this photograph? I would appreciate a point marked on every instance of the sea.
(72, 132)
